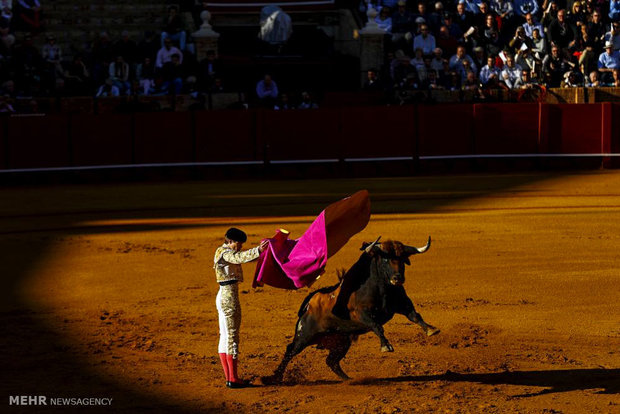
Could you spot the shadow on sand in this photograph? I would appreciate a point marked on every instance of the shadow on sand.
(605, 380)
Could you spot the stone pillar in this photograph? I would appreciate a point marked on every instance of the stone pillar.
(371, 45)
(205, 38)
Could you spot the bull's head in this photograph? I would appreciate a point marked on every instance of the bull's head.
(391, 257)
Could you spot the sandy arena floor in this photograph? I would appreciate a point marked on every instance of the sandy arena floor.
(108, 291)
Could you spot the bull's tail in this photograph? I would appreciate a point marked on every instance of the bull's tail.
(304, 305)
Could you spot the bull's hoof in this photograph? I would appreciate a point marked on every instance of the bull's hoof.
(431, 330)
(387, 348)
(271, 380)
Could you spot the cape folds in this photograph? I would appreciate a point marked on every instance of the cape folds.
(293, 264)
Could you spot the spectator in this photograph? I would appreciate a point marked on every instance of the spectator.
(384, 20)
(614, 10)
(446, 42)
(613, 36)
(174, 75)
(596, 29)
(402, 25)
(437, 60)
(615, 81)
(107, 90)
(52, 54)
(77, 77)
(593, 81)
(267, 91)
(433, 81)
(6, 35)
(480, 19)
(511, 73)
(307, 102)
(208, 71)
(422, 12)
(373, 83)
(118, 73)
(174, 28)
(145, 75)
(165, 54)
(464, 18)
(148, 47)
(5, 105)
(453, 30)
(30, 15)
(531, 24)
(539, 44)
(561, 32)
(435, 19)
(608, 61)
(588, 61)
(520, 40)
(550, 14)
(576, 16)
(456, 61)
(525, 81)
(424, 41)
(523, 7)
(555, 65)
(503, 8)
(571, 80)
(471, 6)
(488, 70)
(284, 103)
(6, 6)
(526, 60)
(126, 48)
(471, 82)
(479, 58)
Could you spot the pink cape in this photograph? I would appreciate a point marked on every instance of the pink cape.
(292, 264)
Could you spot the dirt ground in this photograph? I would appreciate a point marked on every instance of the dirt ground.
(108, 291)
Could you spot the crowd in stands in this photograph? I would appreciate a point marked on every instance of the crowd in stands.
(477, 45)
(158, 64)
(482, 45)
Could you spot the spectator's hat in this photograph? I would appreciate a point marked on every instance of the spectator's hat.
(420, 20)
(439, 6)
(478, 49)
(402, 3)
(609, 45)
(50, 37)
(447, 16)
(237, 235)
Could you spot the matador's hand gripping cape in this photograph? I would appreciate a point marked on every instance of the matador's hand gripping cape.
(292, 264)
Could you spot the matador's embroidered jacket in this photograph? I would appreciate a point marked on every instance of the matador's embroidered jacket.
(227, 262)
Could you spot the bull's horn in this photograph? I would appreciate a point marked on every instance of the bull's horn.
(415, 250)
(369, 248)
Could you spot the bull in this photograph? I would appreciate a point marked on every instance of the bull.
(368, 295)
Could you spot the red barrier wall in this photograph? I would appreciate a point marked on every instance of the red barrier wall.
(363, 132)
(38, 142)
(226, 136)
(163, 137)
(378, 132)
(506, 128)
(445, 129)
(3, 154)
(300, 134)
(101, 139)
(575, 128)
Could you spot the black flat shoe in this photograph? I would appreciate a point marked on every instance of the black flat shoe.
(236, 385)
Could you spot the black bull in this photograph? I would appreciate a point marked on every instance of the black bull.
(368, 296)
